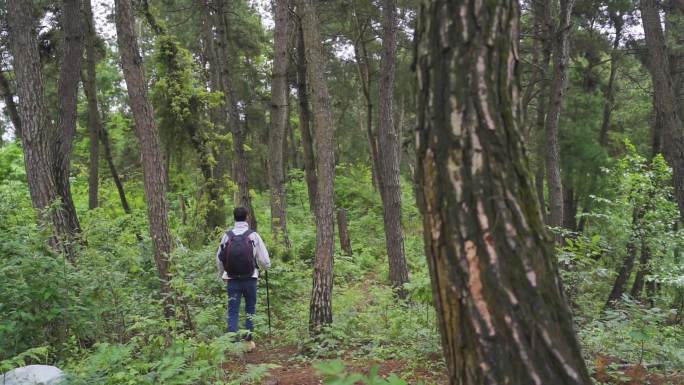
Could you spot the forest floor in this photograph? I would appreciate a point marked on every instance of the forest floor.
(286, 367)
(290, 369)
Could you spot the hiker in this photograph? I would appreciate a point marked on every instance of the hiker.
(241, 253)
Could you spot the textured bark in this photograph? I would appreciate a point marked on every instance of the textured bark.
(90, 89)
(665, 100)
(495, 281)
(67, 91)
(389, 141)
(363, 65)
(107, 148)
(10, 105)
(236, 127)
(343, 228)
(305, 119)
(556, 93)
(279, 118)
(320, 309)
(146, 128)
(36, 126)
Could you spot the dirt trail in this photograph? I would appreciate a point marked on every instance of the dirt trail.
(294, 371)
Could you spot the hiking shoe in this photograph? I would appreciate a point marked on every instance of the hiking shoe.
(251, 346)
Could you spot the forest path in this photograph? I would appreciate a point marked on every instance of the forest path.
(289, 368)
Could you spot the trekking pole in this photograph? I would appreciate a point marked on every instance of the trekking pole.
(268, 306)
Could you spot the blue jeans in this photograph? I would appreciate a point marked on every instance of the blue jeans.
(238, 288)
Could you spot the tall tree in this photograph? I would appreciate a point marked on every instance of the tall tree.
(37, 128)
(10, 105)
(67, 90)
(667, 114)
(495, 282)
(146, 129)
(237, 128)
(320, 310)
(389, 140)
(561, 48)
(90, 89)
(279, 118)
(305, 118)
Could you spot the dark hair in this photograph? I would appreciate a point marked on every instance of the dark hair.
(240, 214)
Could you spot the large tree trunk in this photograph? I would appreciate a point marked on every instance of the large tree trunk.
(10, 105)
(320, 310)
(279, 117)
(90, 89)
(665, 100)
(495, 282)
(236, 127)
(305, 119)
(36, 126)
(67, 90)
(389, 141)
(557, 91)
(146, 128)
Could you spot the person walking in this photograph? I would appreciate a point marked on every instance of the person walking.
(238, 259)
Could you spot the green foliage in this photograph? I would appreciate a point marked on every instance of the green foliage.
(335, 373)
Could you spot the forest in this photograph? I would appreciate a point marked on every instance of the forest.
(450, 191)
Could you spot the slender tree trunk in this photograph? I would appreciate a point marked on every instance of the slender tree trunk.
(644, 269)
(495, 282)
(628, 262)
(343, 228)
(146, 128)
(236, 127)
(363, 65)
(390, 190)
(10, 105)
(279, 117)
(305, 119)
(67, 90)
(665, 100)
(544, 22)
(36, 126)
(610, 89)
(90, 89)
(556, 94)
(320, 310)
(107, 148)
(569, 207)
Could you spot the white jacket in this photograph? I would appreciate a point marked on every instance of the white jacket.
(260, 252)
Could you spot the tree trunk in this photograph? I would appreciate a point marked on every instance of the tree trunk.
(10, 105)
(644, 269)
(305, 119)
(236, 127)
(495, 282)
(107, 148)
(557, 92)
(390, 186)
(90, 90)
(610, 89)
(343, 228)
(320, 310)
(665, 101)
(279, 117)
(146, 128)
(628, 263)
(36, 126)
(363, 65)
(569, 207)
(67, 90)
